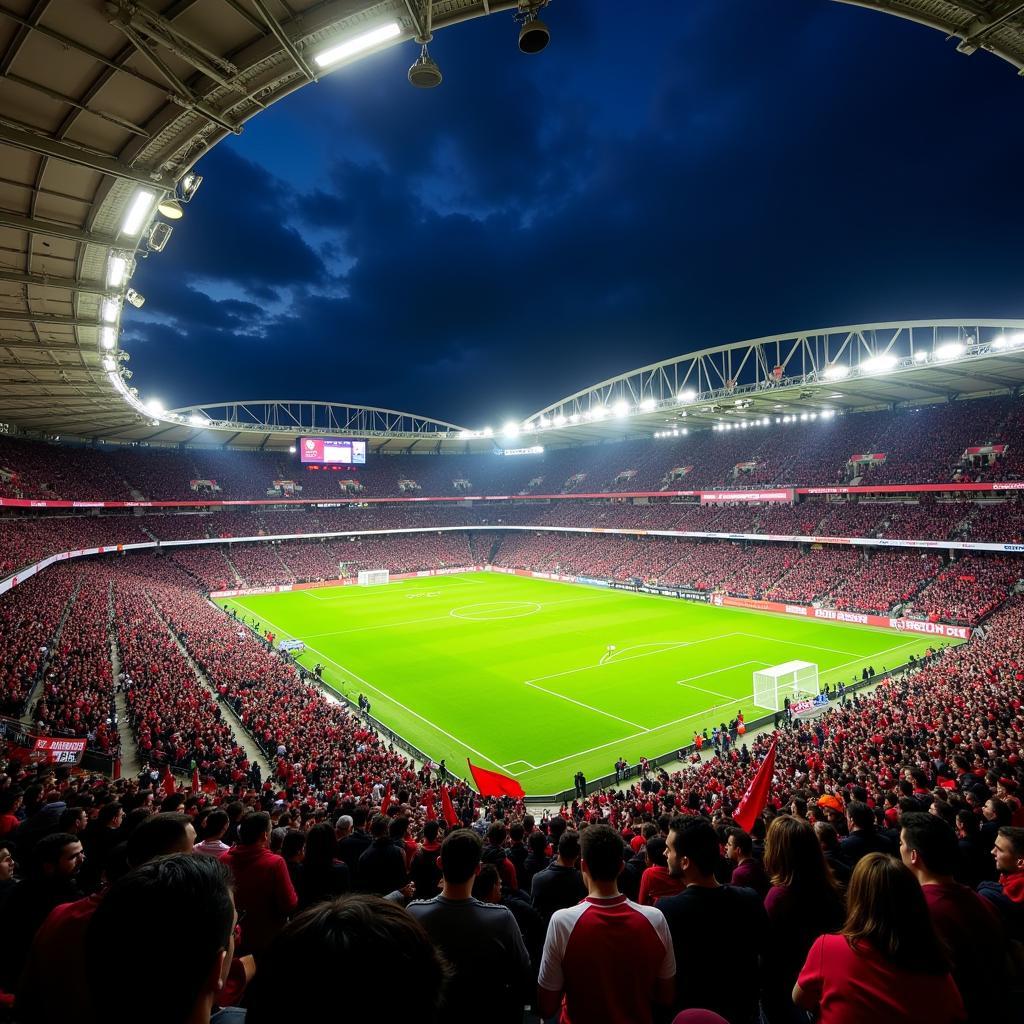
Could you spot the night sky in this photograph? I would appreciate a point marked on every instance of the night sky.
(649, 185)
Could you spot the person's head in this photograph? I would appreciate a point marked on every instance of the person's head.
(110, 816)
(363, 944)
(254, 829)
(738, 846)
(58, 856)
(887, 910)
(654, 852)
(693, 849)
(996, 810)
(460, 856)
(487, 885)
(928, 845)
(379, 826)
(321, 845)
(859, 815)
(430, 831)
(73, 820)
(516, 832)
(1009, 850)
(601, 853)
(568, 849)
(184, 908)
(7, 861)
(828, 837)
(293, 845)
(215, 825)
(343, 826)
(159, 835)
(496, 834)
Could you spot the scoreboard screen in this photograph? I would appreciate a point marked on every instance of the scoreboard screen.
(342, 451)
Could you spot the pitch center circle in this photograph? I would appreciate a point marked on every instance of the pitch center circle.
(489, 611)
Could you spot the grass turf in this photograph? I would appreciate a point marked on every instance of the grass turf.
(515, 672)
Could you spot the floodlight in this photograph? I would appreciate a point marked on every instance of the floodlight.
(803, 416)
(109, 310)
(598, 412)
(154, 407)
(836, 372)
(880, 363)
(465, 434)
(687, 395)
(158, 237)
(511, 429)
(920, 356)
(190, 185)
(648, 404)
(574, 418)
(170, 208)
(424, 73)
(534, 35)
(559, 420)
(621, 408)
(358, 44)
(488, 432)
(1008, 341)
(108, 337)
(291, 449)
(951, 350)
(200, 421)
(814, 415)
(109, 364)
(117, 270)
(685, 431)
(138, 212)
(135, 298)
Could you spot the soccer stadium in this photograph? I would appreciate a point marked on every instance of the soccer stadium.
(695, 695)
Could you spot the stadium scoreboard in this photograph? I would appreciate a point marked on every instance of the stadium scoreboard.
(340, 451)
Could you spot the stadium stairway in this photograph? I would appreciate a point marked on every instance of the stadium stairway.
(226, 552)
(131, 764)
(27, 717)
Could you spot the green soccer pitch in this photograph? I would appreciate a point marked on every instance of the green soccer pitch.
(515, 672)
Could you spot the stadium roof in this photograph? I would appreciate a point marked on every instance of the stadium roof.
(104, 109)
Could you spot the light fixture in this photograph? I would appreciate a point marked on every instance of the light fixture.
(117, 269)
(951, 350)
(836, 372)
(880, 363)
(291, 449)
(154, 407)
(170, 208)
(200, 421)
(138, 212)
(534, 35)
(920, 356)
(621, 408)
(109, 310)
(648, 404)
(158, 237)
(424, 72)
(574, 418)
(465, 434)
(108, 337)
(135, 298)
(559, 420)
(511, 429)
(488, 432)
(598, 412)
(1005, 341)
(109, 364)
(358, 44)
(190, 185)
(687, 395)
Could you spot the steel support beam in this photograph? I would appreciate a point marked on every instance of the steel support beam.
(82, 157)
(56, 319)
(54, 229)
(284, 39)
(45, 281)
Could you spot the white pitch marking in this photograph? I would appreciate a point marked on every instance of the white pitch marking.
(797, 643)
(579, 703)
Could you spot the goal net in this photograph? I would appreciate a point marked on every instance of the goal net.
(794, 679)
(373, 577)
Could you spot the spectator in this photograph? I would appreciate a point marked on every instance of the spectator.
(190, 899)
(263, 888)
(560, 884)
(887, 965)
(802, 903)
(481, 941)
(379, 961)
(293, 849)
(707, 918)
(974, 859)
(537, 859)
(488, 889)
(746, 872)
(1007, 895)
(964, 921)
(656, 880)
(424, 871)
(212, 834)
(381, 867)
(607, 959)
(324, 877)
(828, 840)
(863, 837)
(494, 853)
(8, 866)
(352, 847)
(56, 862)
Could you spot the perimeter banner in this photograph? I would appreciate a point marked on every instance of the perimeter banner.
(52, 750)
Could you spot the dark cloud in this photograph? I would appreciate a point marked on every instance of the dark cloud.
(536, 225)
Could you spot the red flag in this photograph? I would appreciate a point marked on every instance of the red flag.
(195, 779)
(446, 808)
(494, 783)
(210, 786)
(428, 799)
(386, 802)
(756, 796)
(168, 780)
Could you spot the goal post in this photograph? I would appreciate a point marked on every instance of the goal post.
(373, 577)
(793, 679)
